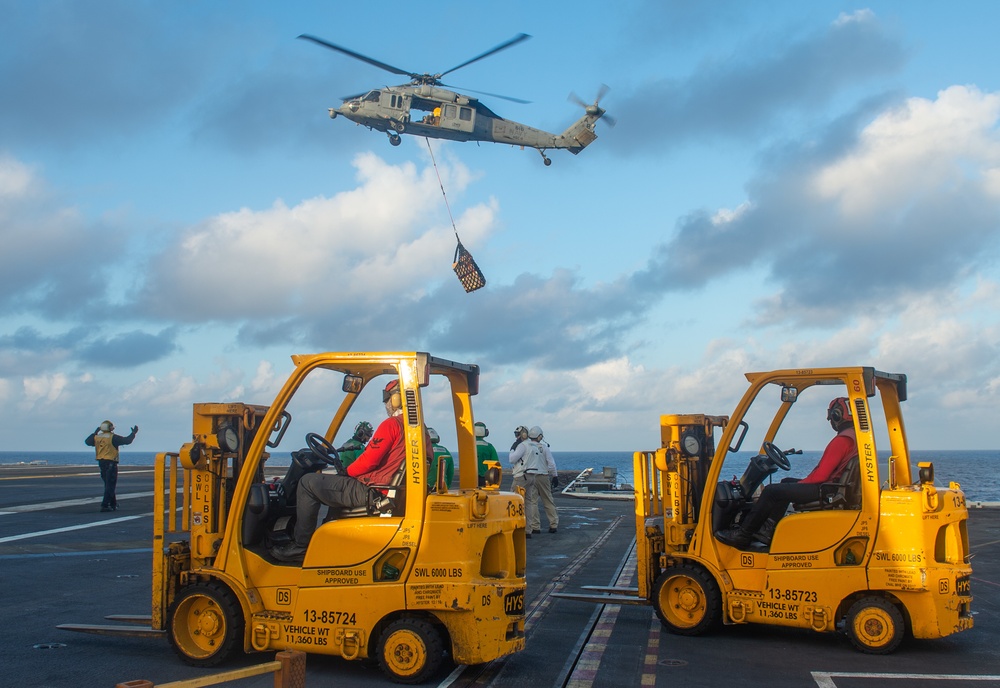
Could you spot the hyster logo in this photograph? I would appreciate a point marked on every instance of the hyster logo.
(514, 603)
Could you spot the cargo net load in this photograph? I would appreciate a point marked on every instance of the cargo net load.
(468, 272)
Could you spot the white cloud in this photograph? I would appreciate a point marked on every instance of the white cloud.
(175, 390)
(15, 177)
(44, 388)
(264, 380)
(726, 215)
(863, 16)
(917, 148)
(379, 240)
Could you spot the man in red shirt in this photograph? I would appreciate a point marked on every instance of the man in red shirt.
(775, 498)
(376, 465)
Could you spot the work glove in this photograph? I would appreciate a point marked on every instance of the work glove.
(555, 481)
(135, 429)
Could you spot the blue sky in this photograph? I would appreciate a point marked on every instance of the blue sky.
(789, 184)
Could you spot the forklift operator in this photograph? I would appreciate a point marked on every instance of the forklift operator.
(376, 465)
(774, 499)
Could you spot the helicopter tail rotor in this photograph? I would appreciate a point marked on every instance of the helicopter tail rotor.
(594, 109)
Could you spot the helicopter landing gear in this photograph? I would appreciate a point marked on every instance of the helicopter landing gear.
(545, 158)
(394, 139)
(399, 127)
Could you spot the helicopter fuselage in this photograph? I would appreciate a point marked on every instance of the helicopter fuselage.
(453, 116)
(425, 110)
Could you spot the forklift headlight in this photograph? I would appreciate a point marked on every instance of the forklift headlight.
(493, 474)
(926, 472)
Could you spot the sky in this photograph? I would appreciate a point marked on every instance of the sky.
(788, 185)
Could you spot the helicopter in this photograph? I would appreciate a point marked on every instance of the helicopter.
(425, 107)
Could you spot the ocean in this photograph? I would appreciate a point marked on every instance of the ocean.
(967, 468)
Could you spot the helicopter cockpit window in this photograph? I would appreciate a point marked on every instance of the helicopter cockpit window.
(465, 114)
(372, 96)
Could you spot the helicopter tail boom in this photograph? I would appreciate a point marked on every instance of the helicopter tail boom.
(579, 135)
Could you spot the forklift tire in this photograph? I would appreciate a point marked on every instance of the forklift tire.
(687, 600)
(875, 625)
(410, 650)
(205, 624)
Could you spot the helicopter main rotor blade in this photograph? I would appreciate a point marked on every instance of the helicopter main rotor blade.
(487, 93)
(359, 56)
(503, 46)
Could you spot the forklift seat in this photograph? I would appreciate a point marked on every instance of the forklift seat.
(843, 493)
(256, 514)
(395, 491)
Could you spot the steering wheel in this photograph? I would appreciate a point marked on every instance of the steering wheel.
(324, 451)
(777, 456)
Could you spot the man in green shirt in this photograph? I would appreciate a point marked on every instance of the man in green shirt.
(484, 451)
(354, 446)
(440, 454)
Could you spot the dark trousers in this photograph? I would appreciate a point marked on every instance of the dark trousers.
(316, 489)
(109, 474)
(774, 500)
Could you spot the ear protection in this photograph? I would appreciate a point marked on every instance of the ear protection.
(391, 394)
(839, 411)
(481, 430)
(107, 426)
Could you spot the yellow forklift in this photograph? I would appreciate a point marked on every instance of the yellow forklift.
(882, 551)
(408, 580)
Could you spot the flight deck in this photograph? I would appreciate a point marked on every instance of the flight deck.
(62, 561)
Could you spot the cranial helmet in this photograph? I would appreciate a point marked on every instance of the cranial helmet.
(433, 434)
(520, 430)
(839, 411)
(363, 431)
(481, 430)
(107, 426)
(535, 432)
(390, 395)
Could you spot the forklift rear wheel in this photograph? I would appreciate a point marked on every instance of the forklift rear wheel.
(205, 625)
(875, 625)
(410, 650)
(687, 600)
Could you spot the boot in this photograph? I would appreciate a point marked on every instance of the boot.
(766, 532)
(291, 552)
(734, 537)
